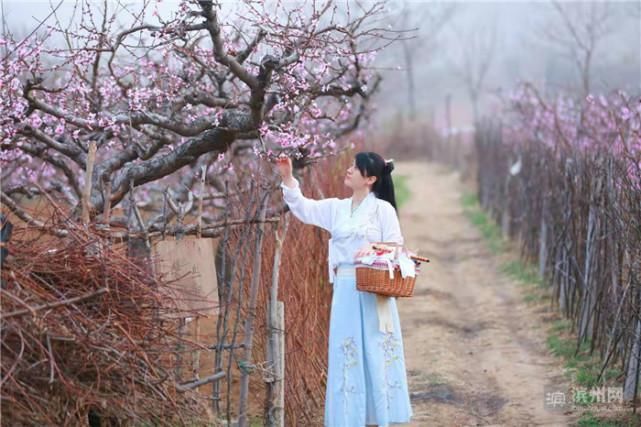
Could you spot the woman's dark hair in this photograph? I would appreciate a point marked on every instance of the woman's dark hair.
(372, 164)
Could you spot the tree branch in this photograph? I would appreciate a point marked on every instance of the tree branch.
(20, 213)
(211, 141)
(213, 27)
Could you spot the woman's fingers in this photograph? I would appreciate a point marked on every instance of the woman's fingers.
(284, 162)
(280, 160)
(284, 165)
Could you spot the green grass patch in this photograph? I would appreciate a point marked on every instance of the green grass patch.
(488, 228)
(519, 271)
(562, 325)
(470, 200)
(534, 297)
(401, 189)
(589, 419)
(560, 347)
(582, 368)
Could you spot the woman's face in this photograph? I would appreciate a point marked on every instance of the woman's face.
(356, 181)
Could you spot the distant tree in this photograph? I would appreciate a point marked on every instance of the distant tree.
(578, 31)
(422, 23)
(477, 50)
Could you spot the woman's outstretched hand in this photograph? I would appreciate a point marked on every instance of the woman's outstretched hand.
(284, 165)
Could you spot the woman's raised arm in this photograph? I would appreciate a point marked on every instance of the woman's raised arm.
(316, 212)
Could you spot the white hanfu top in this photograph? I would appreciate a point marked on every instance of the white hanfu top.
(374, 220)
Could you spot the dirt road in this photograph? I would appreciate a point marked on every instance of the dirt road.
(475, 351)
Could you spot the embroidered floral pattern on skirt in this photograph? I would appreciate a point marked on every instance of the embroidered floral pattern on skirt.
(366, 378)
(390, 346)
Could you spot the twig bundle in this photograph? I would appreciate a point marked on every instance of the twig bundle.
(85, 334)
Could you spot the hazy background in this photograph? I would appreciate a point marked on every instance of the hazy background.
(512, 42)
(468, 50)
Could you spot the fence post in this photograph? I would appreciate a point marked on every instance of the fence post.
(543, 237)
(279, 368)
(505, 211)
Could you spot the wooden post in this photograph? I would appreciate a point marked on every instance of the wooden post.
(106, 213)
(243, 419)
(86, 194)
(543, 240)
(279, 368)
(274, 410)
(196, 353)
(631, 381)
(182, 327)
(505, 211)
(448, 124)
(200, 201)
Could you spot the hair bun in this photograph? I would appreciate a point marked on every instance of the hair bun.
(389, 167)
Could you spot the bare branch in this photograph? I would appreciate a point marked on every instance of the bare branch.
(20, 213)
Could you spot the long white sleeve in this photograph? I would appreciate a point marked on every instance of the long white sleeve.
(391, 227)
(309, 211)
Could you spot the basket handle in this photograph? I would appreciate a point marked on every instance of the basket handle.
(381, 245)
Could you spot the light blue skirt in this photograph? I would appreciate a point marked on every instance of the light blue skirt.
(366, 377)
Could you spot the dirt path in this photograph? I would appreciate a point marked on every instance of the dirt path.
(475, 351)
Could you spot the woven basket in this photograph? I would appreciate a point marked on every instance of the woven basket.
(378, 282)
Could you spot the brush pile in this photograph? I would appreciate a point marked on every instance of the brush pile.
(87, 333)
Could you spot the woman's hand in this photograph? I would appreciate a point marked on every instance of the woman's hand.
(284, 165)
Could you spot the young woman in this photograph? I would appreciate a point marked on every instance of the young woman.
(366, 378)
